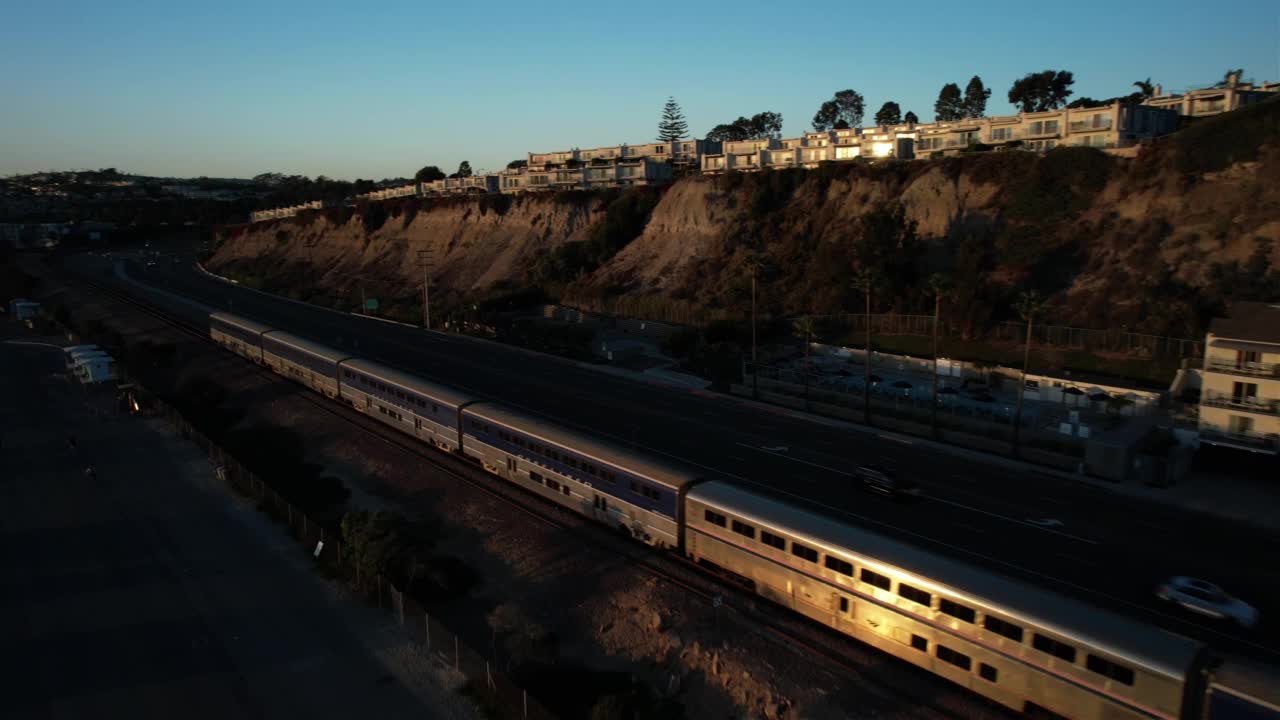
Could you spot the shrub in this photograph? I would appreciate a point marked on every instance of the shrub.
(1217, 142)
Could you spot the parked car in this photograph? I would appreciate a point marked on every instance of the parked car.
(886, 481)
(1205, 598)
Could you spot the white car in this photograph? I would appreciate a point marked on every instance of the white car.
(1205, 598)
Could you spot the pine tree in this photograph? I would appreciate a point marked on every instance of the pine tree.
(910, 117)
(673, 125)
(975, 98)
(950, 106)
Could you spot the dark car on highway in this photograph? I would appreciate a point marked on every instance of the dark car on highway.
(886, 481)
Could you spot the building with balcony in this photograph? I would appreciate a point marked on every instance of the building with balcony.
(1109, 127)
(1232, 95)
(284, 212)
(1240, 385)
(611, 166)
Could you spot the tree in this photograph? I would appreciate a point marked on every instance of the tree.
(1046, 90)
(517, 164)
(464, 170)
(844, 110)
(910, 117)
(949, 106)
(889, 114)
(429, 173)
(673, 125)
(1145, 88)
(975, 98)
(1029, 303)
(1228, 76)
(940, 285)
(865, 279)
(757, 127)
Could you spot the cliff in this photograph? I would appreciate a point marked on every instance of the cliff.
(1156, 243)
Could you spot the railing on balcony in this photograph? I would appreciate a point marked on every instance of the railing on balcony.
(1042, 131)
(1091, 125)
(1265, 406)
(1269, 443)
(1249, 369)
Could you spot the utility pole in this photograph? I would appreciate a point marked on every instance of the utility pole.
(424, 262)
(755, 363)
(364, 305)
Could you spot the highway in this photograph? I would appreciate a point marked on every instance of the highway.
(1071, 537)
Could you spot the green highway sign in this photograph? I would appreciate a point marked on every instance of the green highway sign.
(371, 304)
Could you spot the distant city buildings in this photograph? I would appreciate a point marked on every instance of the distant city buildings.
(1118, 128)
(1240, 386)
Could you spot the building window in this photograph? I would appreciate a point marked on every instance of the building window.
(874, 578)
(715, 518)
(914, 594)
(840, 566)
(772, 540)
(956, 610)
(958, 659)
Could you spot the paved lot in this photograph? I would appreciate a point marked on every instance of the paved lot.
(144, 593)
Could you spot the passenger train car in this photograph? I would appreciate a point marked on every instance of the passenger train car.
(1012, 642)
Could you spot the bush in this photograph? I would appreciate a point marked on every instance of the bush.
(1217, 142)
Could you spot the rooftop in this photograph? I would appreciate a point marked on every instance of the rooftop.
(1256, 321)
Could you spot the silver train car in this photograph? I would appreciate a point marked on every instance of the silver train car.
(239, 335)
(1023, 647)
(621, 488)
(309, 363)
(419, 408)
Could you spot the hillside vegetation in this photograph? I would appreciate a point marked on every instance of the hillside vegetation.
(1155, 244)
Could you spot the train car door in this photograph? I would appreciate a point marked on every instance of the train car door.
(600, 507)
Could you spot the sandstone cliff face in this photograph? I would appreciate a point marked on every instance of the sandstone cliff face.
(1111, 241)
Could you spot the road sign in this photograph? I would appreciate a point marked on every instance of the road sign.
(371, 304)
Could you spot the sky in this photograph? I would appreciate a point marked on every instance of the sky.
(351, 90)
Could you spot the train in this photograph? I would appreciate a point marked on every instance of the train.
(1014, 643)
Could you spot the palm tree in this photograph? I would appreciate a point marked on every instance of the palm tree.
(865, 279)
(1029, 303)
(1145, 88)
(754, 262)
(803, 326)
(940, 285)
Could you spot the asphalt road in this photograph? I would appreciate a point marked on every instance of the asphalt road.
(1071, 537)
(141, 594)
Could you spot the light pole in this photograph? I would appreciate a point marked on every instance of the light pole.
(1029, 303)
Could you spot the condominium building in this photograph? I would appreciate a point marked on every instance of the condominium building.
(1110, 127)
(389, 193)
(1232, 95)
(284, 212)
(1240, 387)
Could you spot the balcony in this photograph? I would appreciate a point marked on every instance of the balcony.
(1090, 125)
(1041, 132)
(1256, 442)
(1261, 406)
(1246, 369)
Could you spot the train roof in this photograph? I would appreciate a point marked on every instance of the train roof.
(307, 346)
(1131, 640)
(242, 322)
(664, 473)
(1249, 679)
(403, 379)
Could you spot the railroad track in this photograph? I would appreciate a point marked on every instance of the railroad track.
(793, 633)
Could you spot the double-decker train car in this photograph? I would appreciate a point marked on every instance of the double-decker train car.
(239, 335)
(425, 410)
(309, 363)
(639, 494)
(1014, 643)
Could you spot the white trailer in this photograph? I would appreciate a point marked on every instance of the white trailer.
(95, 369)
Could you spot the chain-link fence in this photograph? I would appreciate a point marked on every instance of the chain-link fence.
(494, 692)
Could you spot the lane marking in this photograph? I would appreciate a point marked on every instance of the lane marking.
(775, 453)
(1013, 520)
(904, 441)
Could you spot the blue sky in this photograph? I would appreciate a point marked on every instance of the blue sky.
(232, 89)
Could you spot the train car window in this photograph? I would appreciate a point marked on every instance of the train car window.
(715, 518)
(1003, 627)
(840, 566)
(635, 488)
(986, 672)
(1053, 647)
(772, 540)
(805, 552)
(844, 605)
(434, 407)
(956, 610)
(914, 594)
(874, 578)
(948, 655)
(1106, 668)
(535, 477)
(553, 484)
(744, 529)
(919, 643)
